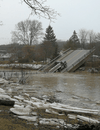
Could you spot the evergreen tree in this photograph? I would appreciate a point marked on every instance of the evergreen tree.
(74, 40)
(50, 37)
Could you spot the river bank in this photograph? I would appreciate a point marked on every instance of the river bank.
(9, 121)
(44, 113)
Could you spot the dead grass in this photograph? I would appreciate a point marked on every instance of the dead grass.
(10, 122)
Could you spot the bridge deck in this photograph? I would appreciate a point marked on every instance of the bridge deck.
(73, 58)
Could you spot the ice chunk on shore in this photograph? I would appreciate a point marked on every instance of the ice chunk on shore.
(90, 120)
(2, 91)
(4, 97)
(52, 121)
(28, 118)
(2, 81)
(21, 111)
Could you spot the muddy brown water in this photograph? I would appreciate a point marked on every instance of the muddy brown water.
(81, 89)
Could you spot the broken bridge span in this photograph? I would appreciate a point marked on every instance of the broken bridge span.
(68, 61)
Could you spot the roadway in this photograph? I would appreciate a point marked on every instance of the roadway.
(74, 56)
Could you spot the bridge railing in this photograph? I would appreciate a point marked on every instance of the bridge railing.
(44, 67)
(66, 51)
(55, 68)
(79, 60)
(49, 63)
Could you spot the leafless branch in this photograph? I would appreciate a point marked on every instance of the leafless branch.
(40, 9)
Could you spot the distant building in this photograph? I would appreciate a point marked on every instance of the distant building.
(4, 56)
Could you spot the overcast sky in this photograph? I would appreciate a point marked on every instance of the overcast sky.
(75, 15)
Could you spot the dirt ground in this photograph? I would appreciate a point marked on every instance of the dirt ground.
(8, 121)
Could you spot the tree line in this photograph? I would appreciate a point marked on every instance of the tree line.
(29, 33)
(25, 39)
(29, 43)
(85, 39)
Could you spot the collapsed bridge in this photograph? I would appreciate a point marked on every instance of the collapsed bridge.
(68, 61)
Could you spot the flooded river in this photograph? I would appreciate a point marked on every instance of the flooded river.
(69, 88)
(77, 89)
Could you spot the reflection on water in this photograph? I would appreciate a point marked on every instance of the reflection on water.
(69, 88)
(83, 85)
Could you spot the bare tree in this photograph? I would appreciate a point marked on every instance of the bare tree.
(98, 37)
(87, 38)
(97, 44)
(83, 34)
(27, 32)
(91, 38)
(40, 9)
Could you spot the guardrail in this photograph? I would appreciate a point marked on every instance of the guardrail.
(58, 56)
(50, 62)
(66, 51)
(73, 65)
(44, 67)
(55, 68)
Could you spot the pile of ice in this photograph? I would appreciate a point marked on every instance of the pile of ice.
(3, 81)
(5, 99)
(31, 66)
(25, 107)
